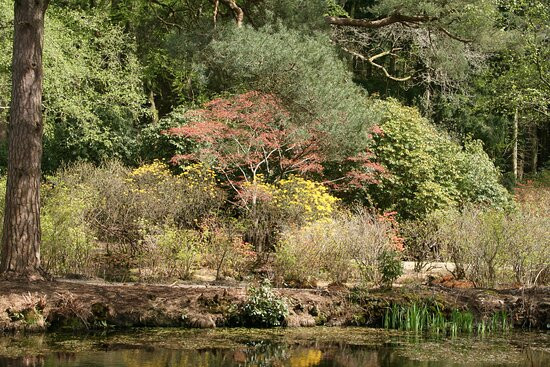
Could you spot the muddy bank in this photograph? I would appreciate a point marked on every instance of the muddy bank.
(64, 304)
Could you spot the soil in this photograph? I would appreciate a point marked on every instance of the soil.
(73, 304)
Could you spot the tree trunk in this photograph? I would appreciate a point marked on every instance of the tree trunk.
(153, 107)
(21, 237)
(534, 148)
(515, 145)
(237, 11)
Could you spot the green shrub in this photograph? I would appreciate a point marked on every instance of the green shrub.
(390, 267)
(427, 171)
(262, 308)
(68, 243)
(171, 253)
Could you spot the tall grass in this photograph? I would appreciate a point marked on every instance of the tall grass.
(424, 318)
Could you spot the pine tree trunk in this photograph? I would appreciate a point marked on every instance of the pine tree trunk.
(515, 145)
(534, 148)
(21, 237)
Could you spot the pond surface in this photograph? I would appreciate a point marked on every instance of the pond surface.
(326, 347)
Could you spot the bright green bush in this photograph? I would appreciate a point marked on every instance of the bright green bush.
(262, 308)
(426, 169)
(93, 93)
(68, 242)
(390, 266)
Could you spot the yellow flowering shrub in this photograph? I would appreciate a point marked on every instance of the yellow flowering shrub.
(182, 198)
(199, 177)
(291, 201)
(303, 198)
(155, 170)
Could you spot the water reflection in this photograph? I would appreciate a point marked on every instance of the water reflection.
(246, 357)
(316, 351)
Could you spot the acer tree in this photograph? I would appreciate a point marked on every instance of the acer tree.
(21, 236)
(249, 135)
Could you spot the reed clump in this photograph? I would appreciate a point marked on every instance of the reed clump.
(431, 318)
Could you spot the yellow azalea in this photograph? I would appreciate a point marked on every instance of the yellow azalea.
(310, 197)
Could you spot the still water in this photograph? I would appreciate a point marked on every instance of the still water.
(322, 347)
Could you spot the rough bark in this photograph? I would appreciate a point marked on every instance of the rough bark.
(379, 23)
(237, 11)
(515, 145)
(534, 148)
(371, 61)
(21, 236)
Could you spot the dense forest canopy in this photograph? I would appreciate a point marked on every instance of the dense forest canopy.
(395, 105)
(114, 68)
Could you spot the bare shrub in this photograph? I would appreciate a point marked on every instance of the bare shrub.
(348, 245)
(225, 250)
(492, 247)
(421, 244)
(171, 252)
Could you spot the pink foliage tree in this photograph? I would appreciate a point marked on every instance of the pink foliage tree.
(252, 134)
(247, 135)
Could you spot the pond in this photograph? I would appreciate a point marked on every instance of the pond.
(310, 347)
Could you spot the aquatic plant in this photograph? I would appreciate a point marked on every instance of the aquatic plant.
(423, 317)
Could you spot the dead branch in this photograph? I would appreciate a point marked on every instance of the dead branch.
(371, 59)
(215, 16)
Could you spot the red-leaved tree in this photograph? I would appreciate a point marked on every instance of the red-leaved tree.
(252, 134)
(250, 139)
(248, 135)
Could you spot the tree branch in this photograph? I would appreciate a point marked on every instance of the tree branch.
(216, 6)
(455, 37)
(239, 14)
(164, 21)
(371, 59)
(379, 23)
(407, 20)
